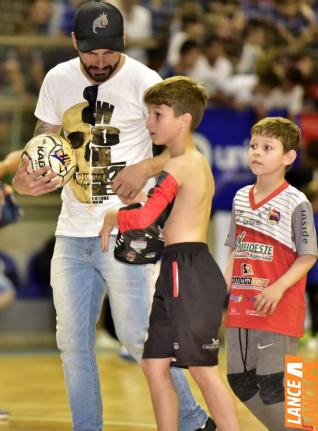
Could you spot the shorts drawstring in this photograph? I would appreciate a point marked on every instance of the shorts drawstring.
(244, 357)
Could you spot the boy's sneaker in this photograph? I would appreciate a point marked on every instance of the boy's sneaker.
(209, 426)
(4, 415)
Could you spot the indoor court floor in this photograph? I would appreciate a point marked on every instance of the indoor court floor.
(32, 389)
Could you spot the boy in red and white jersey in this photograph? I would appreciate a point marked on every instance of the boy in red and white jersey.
(273, 239)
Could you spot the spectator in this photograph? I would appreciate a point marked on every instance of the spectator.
(253, 46)
(189, 54)
(251, 91)
(212, 67)
(162, 14)
(7, 286)
(192, 26)
(137, 24)
(294, 22)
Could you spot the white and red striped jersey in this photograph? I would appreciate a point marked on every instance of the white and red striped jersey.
(266, 238)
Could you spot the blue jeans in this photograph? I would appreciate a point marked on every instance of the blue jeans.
(81, 274)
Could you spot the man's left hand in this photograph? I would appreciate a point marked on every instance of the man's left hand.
(129, 181)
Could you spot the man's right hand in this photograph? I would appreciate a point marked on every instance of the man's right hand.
(38, 183)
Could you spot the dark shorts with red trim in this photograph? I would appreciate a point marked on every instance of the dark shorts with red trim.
(187, 307)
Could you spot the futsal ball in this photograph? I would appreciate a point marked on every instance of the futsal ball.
(51, 150)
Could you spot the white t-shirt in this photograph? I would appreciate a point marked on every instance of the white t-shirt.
(119, 137)
(212, 77)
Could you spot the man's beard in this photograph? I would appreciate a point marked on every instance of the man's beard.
(97, 74)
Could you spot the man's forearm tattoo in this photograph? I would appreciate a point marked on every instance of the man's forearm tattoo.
(41, 127)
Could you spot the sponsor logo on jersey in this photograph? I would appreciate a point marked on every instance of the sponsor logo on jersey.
(249, 283)
(233, 311)
(251, 298)
(253, 250)
(305, 229)
(250, 222)
(236, 298)
(274, 216)
(254, 313)
(246, 269)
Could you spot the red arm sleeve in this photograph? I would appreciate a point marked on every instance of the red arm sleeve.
(141, 218)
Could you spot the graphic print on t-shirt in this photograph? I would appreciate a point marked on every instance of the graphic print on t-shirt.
(93, 148)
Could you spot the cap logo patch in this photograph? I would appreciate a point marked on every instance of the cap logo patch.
(100, 22)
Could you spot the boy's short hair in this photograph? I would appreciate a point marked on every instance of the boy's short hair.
(279, 128)
(182, 94)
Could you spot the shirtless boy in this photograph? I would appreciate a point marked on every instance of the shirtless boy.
(190, 291)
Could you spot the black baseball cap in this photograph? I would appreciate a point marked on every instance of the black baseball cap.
(99, 25)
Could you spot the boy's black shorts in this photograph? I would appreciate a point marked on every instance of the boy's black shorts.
(187, 307)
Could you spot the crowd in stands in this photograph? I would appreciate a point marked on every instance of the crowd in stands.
(261, 54)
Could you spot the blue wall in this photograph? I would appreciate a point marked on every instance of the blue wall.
(223, 136)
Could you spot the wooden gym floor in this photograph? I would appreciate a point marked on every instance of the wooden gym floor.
(32, 389)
